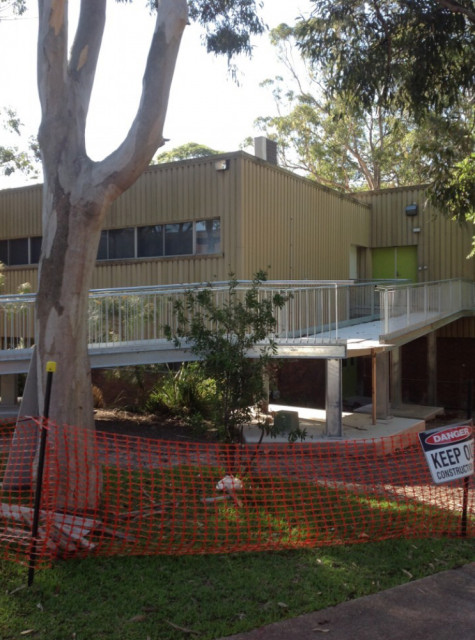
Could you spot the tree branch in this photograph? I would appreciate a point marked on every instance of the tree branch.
(456, 7)
(83, 62)
(362, 164)
(124, 165)
(52, 60)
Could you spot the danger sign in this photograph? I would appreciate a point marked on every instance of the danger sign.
(449, 452)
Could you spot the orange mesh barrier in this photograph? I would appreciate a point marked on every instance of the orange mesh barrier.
(116, 494)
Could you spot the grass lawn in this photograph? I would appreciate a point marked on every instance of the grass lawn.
(163, 597)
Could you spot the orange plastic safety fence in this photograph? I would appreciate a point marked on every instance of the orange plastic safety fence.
(106, 494)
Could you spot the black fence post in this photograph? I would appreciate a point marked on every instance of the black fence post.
(50, 369)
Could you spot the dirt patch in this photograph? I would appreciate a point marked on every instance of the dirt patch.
(159, 427)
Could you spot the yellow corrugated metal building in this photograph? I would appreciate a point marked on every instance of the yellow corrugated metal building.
(263, 217)
(200, 220)
(403, 221)
(267, 218)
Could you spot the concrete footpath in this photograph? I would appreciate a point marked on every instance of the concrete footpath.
(440, 607)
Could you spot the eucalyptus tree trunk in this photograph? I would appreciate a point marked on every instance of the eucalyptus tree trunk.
(77, 193)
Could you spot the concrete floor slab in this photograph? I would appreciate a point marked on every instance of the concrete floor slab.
(356, 426)
(420, 411)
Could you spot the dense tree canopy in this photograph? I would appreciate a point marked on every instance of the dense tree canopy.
(336, 140)
(457, 192)
(415, 58)
(418, 54)
(228, 24)
(333, 141)
(186, 151)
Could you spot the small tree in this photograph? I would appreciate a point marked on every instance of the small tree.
(233, 338)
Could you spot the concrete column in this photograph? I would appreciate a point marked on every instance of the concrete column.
(9, 389)
(432, 369)
(382, 386)
(396, 373)
(334, 404)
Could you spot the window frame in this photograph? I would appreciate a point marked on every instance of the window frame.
(160, 233)
(161, 230)
(8, 250)
(195, 237)
(104, 243)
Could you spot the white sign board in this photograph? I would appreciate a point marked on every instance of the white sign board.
(449, 452)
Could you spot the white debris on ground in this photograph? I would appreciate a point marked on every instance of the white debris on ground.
(229, 483)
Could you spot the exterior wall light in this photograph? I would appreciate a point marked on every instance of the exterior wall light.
(221, 165)
(412, 209)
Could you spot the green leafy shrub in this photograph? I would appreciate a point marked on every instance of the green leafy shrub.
(187, 393)
(223, 330)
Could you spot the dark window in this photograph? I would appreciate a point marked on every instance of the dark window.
(35, 249)
(4, 251)
(18, 251)
(150, 241)
(173, 239)
(179, 239)
(102, 253)
(121, 243)
(208, 236)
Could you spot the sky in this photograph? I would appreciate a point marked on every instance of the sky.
(206, 105)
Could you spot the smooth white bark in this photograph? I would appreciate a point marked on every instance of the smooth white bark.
(76, 196)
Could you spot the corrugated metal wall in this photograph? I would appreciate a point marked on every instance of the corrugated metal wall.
(463, 328)
(300, 229)
(16, 276)
(20, 212)
(176, 192)
(20, 217)
(270, 219)
(442, 244)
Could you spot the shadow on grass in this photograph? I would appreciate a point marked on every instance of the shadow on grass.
(214, 596)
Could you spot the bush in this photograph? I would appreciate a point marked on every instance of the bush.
(185, 393)
(127, 388)
(222, 330)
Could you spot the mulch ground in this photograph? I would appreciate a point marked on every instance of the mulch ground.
(156, 427)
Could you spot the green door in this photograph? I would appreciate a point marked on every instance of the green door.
(395, 262)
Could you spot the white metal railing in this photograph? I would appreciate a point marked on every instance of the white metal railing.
(314, 313)
(406, 306)
(317, 311)
(17, 321)
(314, 310)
